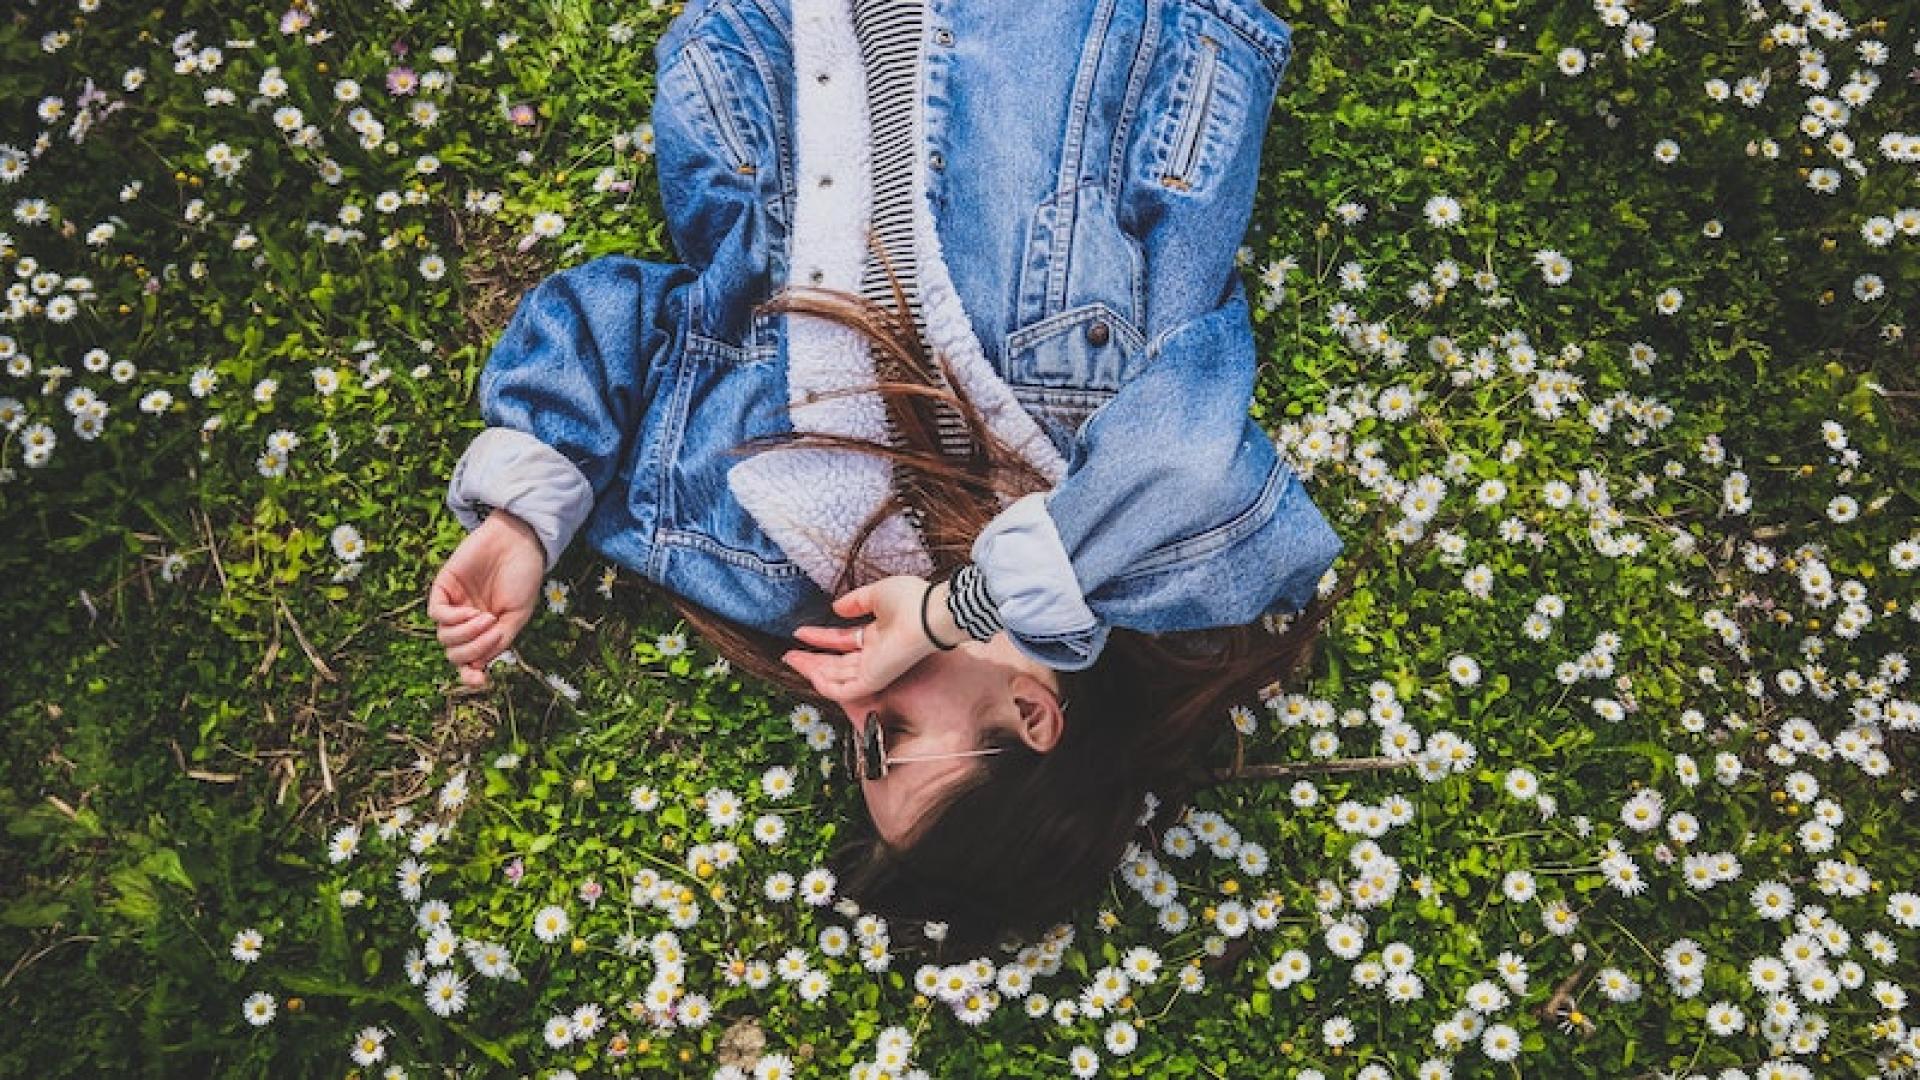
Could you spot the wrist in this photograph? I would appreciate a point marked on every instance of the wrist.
(509, 522)
(940, 618)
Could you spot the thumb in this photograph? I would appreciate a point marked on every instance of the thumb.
(857, 602)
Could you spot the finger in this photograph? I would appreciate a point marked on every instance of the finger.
(472, 675)
(831, 637)
(446, 602)
(512, 620)
(830, 673)
(478, 650)
(857, 602)
(837, 671)
(809, 665)
(462, 632)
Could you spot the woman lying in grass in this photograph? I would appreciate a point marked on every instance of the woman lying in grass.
(942, 423)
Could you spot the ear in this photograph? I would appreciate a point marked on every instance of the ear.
(1040, 721)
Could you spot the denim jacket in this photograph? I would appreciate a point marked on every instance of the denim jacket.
(1085, 172)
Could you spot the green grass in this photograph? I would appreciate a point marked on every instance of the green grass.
(186, 736)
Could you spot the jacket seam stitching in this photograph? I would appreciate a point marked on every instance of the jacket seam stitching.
(772, 17)
(1064, 637)
(1035, 333)
(669, 454)
(1143, 56)
(698, 541)
(680, 35)
(699, 344)
(1067, 180)
(1063, 396)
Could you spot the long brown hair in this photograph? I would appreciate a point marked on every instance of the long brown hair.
(1023, 839)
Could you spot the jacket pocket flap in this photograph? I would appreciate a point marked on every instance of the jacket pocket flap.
(1085, 348)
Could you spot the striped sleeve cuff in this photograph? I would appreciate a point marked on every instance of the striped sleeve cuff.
(972, 607)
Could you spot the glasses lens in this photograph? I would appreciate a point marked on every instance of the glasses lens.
(850, 752)
(876, 749)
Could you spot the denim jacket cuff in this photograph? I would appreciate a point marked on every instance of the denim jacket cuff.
(1031, 577)
(509, 469)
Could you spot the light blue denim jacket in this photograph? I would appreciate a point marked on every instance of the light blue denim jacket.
(1091, 167)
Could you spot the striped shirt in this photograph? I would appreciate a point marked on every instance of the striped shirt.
(890, 34)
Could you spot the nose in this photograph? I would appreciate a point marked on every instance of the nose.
(856, 710)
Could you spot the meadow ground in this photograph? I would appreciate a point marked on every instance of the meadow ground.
(1598, 317)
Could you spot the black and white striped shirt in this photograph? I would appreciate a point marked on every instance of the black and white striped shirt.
(890, 34)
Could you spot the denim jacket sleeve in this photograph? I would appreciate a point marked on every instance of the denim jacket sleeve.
(563, 393)
(1176, 512)
(563, 388)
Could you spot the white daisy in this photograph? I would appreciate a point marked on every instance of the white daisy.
(446, 993)
(550, 922)
(258, 1008)
(246, 946)
(1442, 211)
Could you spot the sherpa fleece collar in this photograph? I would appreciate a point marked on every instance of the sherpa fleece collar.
(812, 502)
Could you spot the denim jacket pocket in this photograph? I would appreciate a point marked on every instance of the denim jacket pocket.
(1211, 86)
(723, 400)
(721, 102)
(760, 337)
(1062, 369)
(723, 177)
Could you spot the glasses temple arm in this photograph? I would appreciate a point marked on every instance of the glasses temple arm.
(937, 757)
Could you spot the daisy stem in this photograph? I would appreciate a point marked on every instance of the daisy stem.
(1456, 24)
(920, 1024)
(675, 867)
(1616, 925)
(1697, 1047)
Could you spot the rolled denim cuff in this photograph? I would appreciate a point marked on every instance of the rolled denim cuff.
(1030, 576)
(509, 469)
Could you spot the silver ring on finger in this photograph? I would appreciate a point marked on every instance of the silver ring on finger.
(859, 637)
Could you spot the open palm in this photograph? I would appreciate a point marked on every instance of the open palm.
(485, 593)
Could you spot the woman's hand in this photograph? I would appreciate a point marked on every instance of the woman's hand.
(866, 659)
(485, 593)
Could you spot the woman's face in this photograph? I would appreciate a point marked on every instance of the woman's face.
(945, 704)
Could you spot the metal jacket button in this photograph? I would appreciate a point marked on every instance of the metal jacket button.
(1097, 333)
(937, 160)
(943, 36)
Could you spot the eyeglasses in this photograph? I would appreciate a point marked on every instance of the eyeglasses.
(867, 756)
